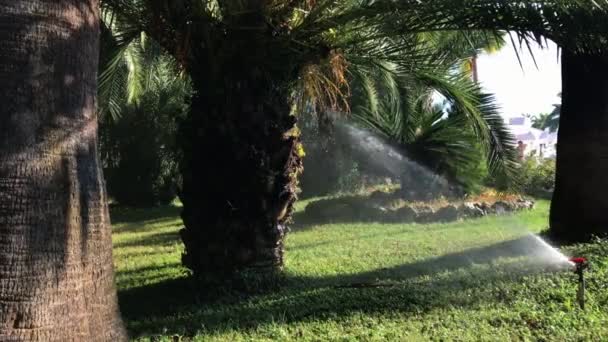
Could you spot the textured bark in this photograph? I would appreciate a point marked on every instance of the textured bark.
(56, 269)
(240, 173)
(241, 152)
(580, 204)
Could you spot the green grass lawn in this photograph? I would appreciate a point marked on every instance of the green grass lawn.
(458, 281)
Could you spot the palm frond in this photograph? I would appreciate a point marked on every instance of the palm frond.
(578, 24)
(130, 63)
(121, 65)
(481, 111)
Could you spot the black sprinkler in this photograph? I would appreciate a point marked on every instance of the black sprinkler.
(580, 265)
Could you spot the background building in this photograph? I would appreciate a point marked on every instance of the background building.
(535, 141)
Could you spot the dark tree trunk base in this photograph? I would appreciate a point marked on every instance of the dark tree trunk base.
(579, 209)
(241, 162)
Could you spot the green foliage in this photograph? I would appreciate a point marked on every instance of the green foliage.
(417, 267)
(398, 105)
(122, 63)
(138, 147)
(315, 46)
(312, 47)
(471, 176)
(450, 139)
(304, 37)
(537, 176)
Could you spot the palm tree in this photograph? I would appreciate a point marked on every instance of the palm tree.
(540, 121)
(546, 120)
(579, 205)
(57, 277)
(256, 63)
(471, 64)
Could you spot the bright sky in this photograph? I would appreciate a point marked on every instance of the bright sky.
(519, 91)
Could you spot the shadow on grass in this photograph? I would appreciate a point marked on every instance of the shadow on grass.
(155, 240)
(158, 299)
(175, 307)
(528, 255)
(303, 221)
(146, 253)
(148, 269)
(124, 215)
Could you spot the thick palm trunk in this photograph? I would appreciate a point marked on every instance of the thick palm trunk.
(242, 156)
(580, 202)
(56, 269)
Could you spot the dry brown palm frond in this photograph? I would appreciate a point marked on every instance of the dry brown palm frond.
(324, 86)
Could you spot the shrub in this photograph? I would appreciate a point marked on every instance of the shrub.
(142, 169)
(537, 176)
(138, 149)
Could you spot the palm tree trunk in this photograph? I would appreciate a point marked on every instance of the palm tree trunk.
(242, 156)
(580, 204)
(56, 269)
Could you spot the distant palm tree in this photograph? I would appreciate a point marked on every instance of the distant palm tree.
(471, 64)
(543, 121)
(549, 121)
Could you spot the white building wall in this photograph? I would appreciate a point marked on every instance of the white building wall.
(541, 143)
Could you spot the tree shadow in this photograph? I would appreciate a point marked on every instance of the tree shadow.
(122, 215)
(148, 275)
(137, 253)
(527, 254)
(416, 287)
(163, 298)
(147, 269)
(154, 240)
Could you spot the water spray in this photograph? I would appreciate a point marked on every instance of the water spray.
(580, 265)
(392, 160)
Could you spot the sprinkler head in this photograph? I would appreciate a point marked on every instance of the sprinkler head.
(578, 260)
(580, 264)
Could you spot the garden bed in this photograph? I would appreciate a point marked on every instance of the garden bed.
(388, 207)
